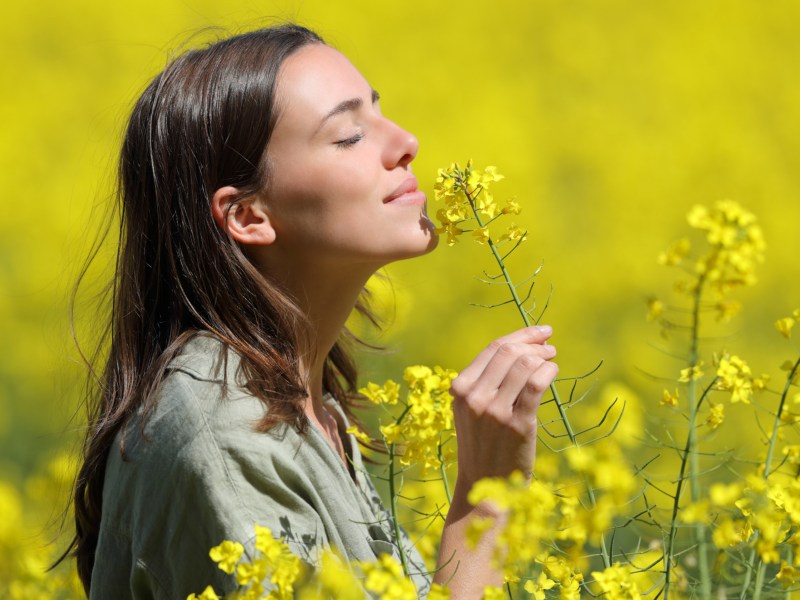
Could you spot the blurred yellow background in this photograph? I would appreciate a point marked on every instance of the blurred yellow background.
(610, 119)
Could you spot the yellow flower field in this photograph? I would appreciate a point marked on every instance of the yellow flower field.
(611, 122)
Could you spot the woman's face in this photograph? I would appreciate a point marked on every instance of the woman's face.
(341, 191)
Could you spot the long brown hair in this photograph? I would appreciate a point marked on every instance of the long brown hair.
(203, 123)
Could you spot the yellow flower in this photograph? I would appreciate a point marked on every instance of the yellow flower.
(514, 233)
(788, 575)
(359, 434)
(792, 453)
(736, 377)
(696, 513)
(226, 555)
(616, 583)
(784, 326)
(670, 399)
(675, 254)
(655, 308)
(737, 245)
(438, 592)
(452, 231)
(385, 576)
(388, 393)
(481, 235)
(691, 373)
(727, 309)
(491, 592)
(529, 520)
(724, 495)
(476, 529)
(512, 207)
(334, 579)
(208, 594)
(429, 415)
(716, 415)
(537, 588)
(728, 532)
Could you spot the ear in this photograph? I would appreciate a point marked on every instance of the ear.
(245, 221)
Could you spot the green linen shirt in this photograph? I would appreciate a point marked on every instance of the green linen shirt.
(199, 473)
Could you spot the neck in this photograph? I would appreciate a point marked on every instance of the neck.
(327, 302)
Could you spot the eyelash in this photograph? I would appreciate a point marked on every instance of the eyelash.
(351, 141)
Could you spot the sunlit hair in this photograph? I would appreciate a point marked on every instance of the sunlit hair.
(203, 123)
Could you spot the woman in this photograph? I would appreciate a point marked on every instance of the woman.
(260, 188)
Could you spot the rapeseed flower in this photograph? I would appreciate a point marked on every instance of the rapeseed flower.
(616, 584)
(669, 398)
(429, 413)
(691, 373)
(716, 416)
(226, 555)
(735, 376)
(385, 577)
(784, 326)
(207, 594)
(528, 522)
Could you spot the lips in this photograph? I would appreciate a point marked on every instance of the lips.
(406, 193)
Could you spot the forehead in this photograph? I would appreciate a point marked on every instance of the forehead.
(313, 80)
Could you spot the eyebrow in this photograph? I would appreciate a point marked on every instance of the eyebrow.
(346, 105)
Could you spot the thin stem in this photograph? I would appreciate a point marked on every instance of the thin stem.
(527, 320)
(443, 471)
(690, 457)
(395, 521)
(677, 499)
(393, 499)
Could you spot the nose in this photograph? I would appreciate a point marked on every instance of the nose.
(401, 146)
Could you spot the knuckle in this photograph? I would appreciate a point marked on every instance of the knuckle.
(459, 387)
(508, 349)
(534, 385)
(473, 400)
(529, 363)
(495, 345)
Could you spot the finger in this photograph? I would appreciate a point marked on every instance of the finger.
(506, 358)
(515, 381)
(537, 334)
(531, 396)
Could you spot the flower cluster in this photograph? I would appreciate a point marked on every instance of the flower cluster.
(469, 201)
(759, 513)
(427, 415)
(737, 245)
(733, 247)
(273, 565)
(529, 511)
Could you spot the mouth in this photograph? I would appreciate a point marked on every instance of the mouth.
(407, 192)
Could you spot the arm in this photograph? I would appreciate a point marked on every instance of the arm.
(495, 402)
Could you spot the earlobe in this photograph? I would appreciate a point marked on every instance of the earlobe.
(246, 220)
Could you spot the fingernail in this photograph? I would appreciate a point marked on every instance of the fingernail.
(546, 329)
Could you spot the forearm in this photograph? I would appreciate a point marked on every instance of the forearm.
(468, 570)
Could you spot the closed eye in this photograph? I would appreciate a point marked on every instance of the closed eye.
(351, 141)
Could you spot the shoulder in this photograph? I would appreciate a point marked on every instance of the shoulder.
(197, 471)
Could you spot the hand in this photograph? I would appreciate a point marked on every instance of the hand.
(495, 402)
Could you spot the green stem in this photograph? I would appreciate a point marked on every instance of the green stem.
(527, 320)
(759, 580)
(395, 521)
(443, 471)
(393, 499)
(691, 457)
(678, 492)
